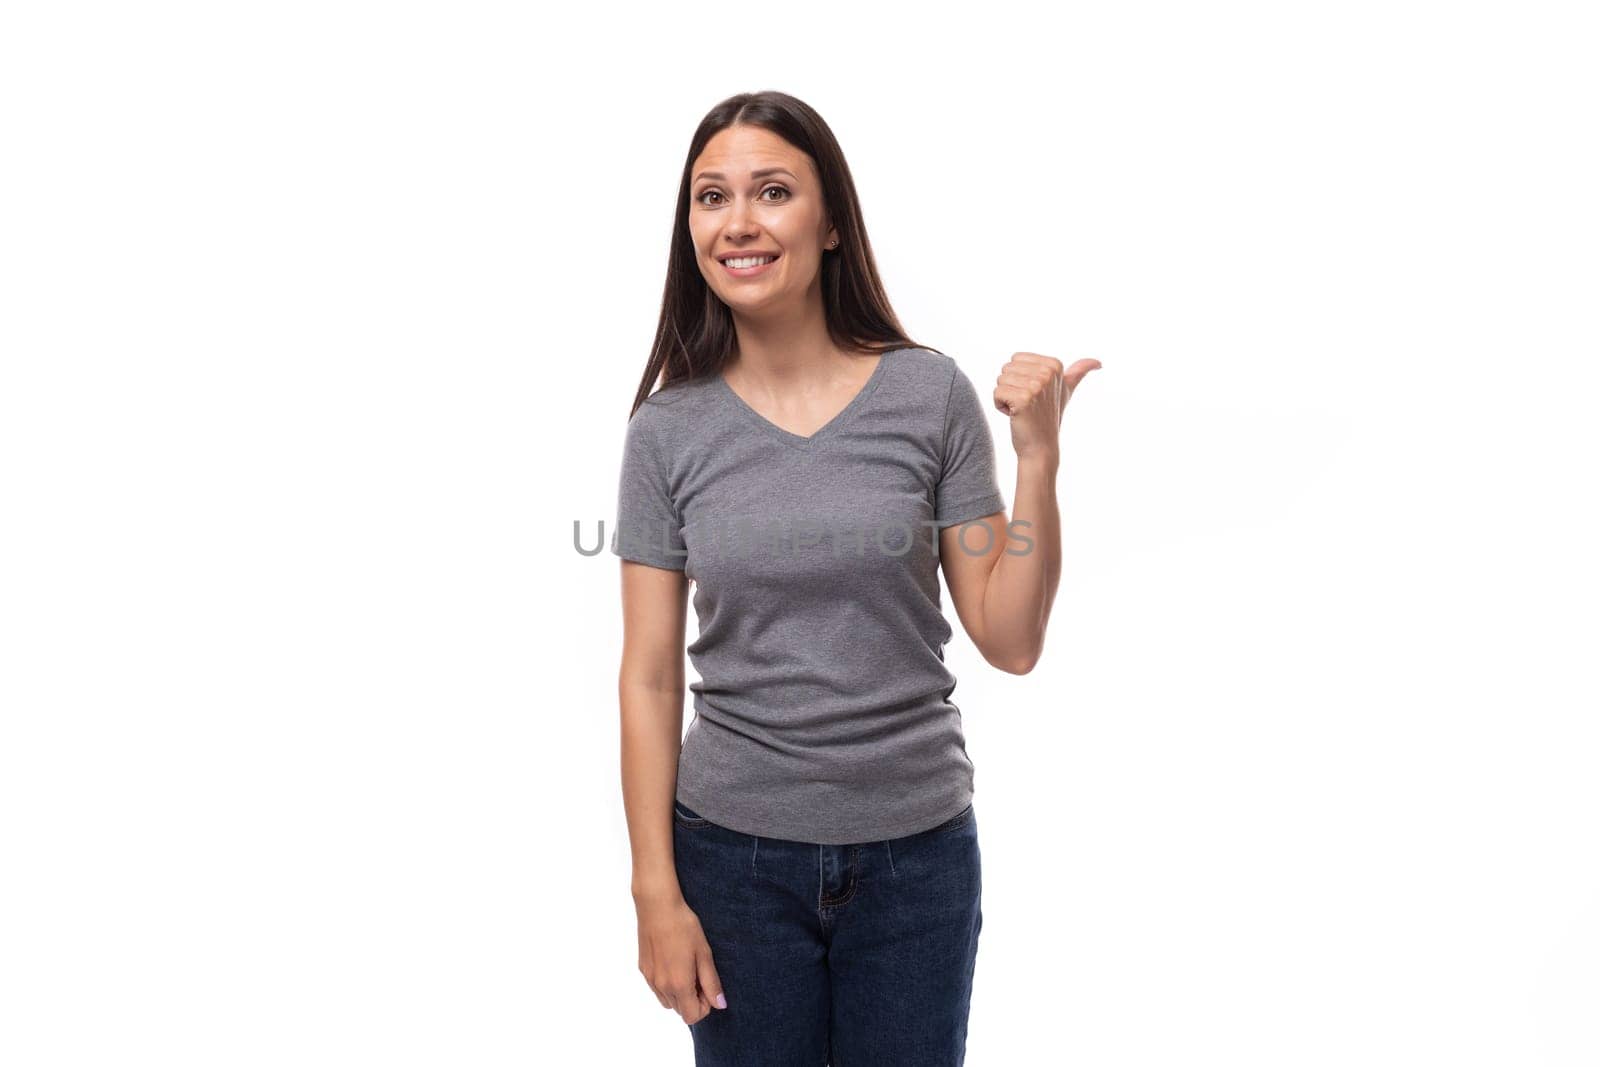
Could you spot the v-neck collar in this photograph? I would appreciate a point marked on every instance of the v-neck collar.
(794, 440)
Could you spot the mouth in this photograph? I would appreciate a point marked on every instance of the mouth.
(753, 265)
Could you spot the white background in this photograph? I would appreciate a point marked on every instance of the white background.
(320, 328)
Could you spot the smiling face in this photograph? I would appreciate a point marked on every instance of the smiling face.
(754, 196)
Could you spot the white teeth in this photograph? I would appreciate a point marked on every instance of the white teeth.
(749, 261)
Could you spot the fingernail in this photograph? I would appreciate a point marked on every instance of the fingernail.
(722, 1001)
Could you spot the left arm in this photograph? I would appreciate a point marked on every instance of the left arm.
(1003, 595)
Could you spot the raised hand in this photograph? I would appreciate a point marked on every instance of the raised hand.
(1033, 390)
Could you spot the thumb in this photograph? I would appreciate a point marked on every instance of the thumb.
(710, 984)
(1078, 371)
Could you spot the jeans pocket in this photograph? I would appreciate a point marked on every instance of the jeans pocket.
(684, 817)
(955, 822)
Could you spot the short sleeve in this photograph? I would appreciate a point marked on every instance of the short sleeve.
(649, 528)
(969, 486)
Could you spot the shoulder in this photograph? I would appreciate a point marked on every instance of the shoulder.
(934, 376)
(924, 371)
(674, 402)
(937, 367)
(669, 414)
(921, 360)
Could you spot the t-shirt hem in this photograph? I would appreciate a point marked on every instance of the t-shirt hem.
(650, 561)
(798, 833)
(972, 509)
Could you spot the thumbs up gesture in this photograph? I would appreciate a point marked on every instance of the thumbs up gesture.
(1034, 390)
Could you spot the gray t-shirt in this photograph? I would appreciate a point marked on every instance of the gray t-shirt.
(823, 710)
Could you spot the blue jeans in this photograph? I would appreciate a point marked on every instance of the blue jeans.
(850, 955)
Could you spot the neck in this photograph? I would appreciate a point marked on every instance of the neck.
(786, 348)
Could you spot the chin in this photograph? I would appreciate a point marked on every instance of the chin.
(749, 303)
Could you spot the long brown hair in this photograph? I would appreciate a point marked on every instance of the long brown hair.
(695, 336)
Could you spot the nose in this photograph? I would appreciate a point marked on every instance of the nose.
(740, 222)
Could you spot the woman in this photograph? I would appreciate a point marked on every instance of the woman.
(806, 865)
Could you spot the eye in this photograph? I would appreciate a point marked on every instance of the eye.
(701, 199)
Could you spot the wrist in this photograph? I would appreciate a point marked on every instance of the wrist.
(1047, 460)
(656, 892)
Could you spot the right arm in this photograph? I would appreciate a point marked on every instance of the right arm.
(673, 953)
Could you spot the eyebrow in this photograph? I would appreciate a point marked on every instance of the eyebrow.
(753, 174)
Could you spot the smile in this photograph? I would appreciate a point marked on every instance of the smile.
(748, 266)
